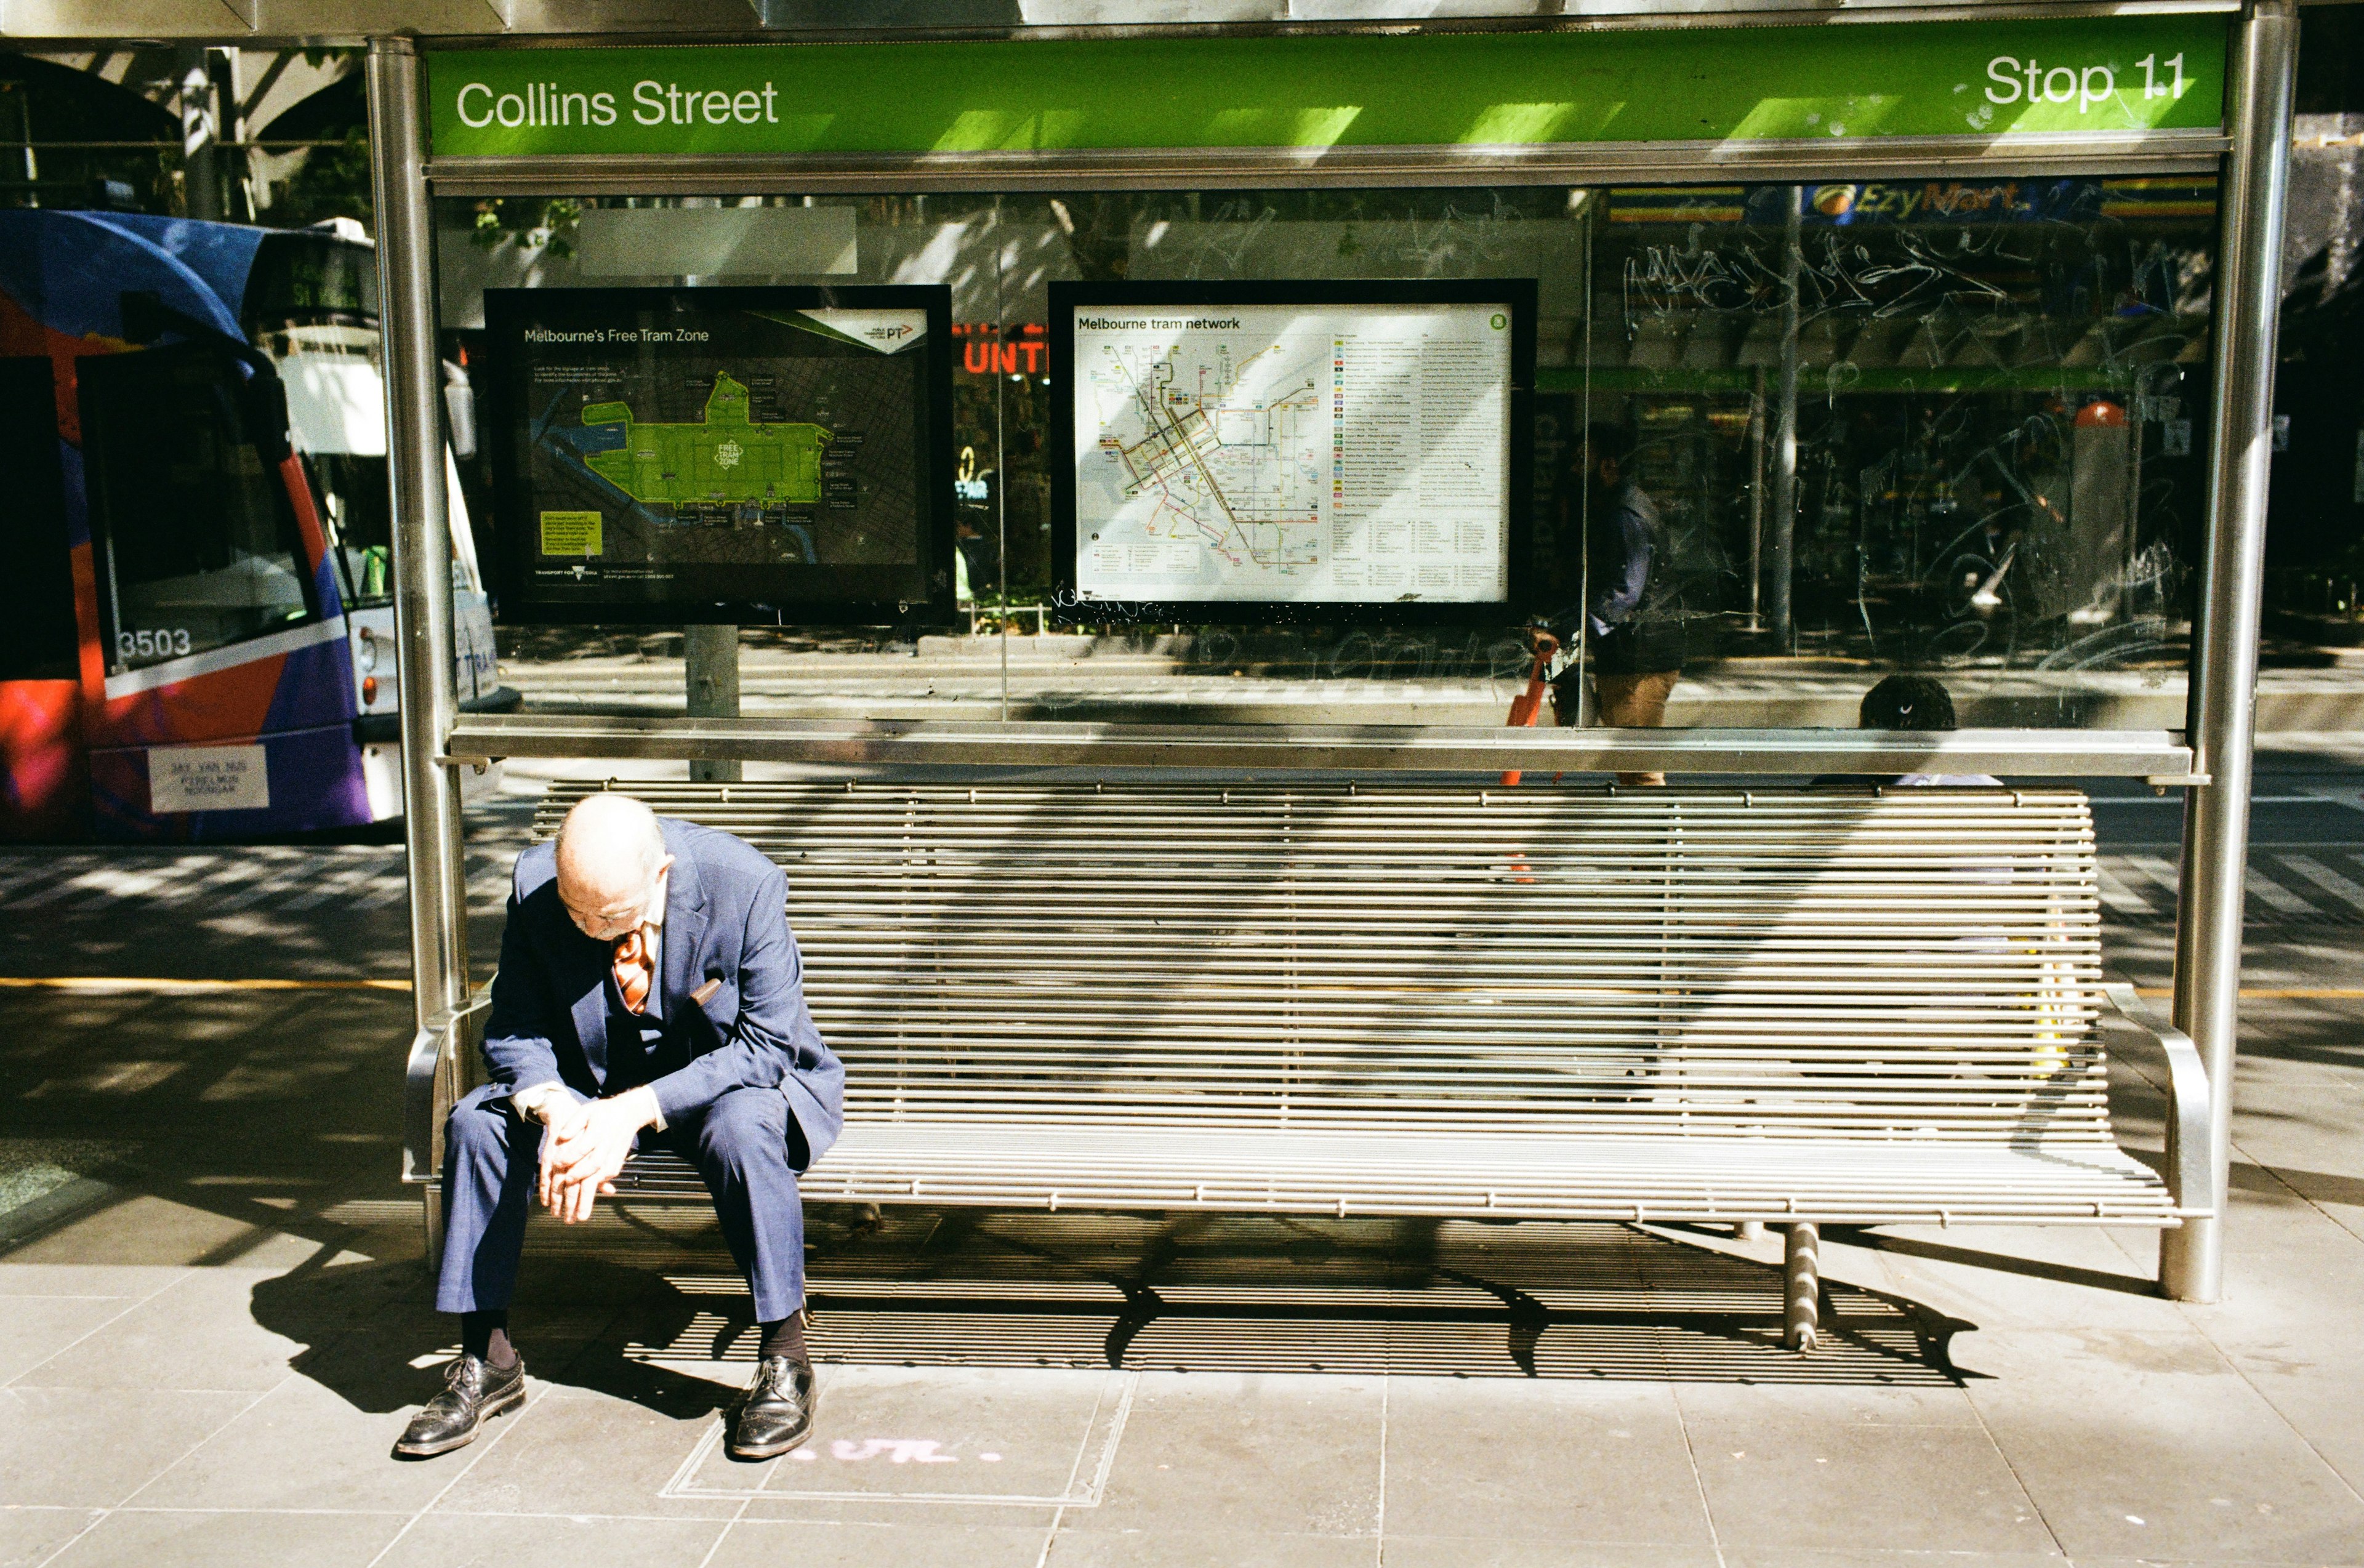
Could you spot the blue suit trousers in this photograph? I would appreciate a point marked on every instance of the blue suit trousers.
(492, 1162)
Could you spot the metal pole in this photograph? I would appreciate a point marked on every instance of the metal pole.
(710, 656)
(200, 136)
(2225, 656)
(1756, 412)
(1780, 545)
(422, 538)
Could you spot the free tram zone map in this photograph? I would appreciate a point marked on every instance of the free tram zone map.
(668, 449)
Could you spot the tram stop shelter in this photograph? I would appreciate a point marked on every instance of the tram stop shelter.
(2053, 227)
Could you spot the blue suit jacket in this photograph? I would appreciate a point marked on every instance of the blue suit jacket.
(726, 920)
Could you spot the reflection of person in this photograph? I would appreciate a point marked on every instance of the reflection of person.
(650, 994)
(1633, 632)
(972, 562)
(1908, 703)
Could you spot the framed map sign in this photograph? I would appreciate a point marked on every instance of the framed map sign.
(1292, 451)
(756, 456)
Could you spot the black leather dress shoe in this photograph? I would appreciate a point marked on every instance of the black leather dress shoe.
(473, 1392)
(777, 1412)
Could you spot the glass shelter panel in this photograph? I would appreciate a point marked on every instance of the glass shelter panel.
(1921, 425)
(1781, 440)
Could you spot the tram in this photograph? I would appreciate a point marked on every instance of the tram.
(199, 639)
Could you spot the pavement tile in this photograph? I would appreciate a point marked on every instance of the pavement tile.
(2320, 1400)
(1833, 1559)
(578, 1452)
(302, 1446)
(149, 1231)
(899, 1512)
(1842, 1404)
(199, 1332)
(35, 1327)
(763, 1544)
(141, 1538)
(1996, 1277)
(32, 1536)
(127, 1280)
(460, 1540)
(61, 1447)
(1474, 1551)
(1780, 1482)
(1266, 1453)
(894, 1432)
(2139, 1447)
(1072, 1548)
(1541, 1461)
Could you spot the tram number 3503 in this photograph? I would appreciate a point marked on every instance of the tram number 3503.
(2085, 86)
(152, 644)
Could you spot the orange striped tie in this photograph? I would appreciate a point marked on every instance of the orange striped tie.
(632, 971)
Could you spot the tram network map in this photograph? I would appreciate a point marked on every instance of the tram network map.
(1292, 454)
(674, 447)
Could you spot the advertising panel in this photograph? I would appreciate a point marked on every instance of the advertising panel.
(757, 456)
(1306, 451)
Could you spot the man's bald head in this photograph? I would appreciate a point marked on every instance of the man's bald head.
(611, 865)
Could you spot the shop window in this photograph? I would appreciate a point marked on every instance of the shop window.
(197, 541)
(1993, 390)
(1990, 387)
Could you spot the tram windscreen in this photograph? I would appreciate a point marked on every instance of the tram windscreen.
(36, 637)
(752, 455)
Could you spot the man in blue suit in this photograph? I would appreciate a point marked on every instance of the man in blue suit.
(650, 994)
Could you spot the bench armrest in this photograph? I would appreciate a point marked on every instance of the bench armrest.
(446, 1057)
(2189, 1179)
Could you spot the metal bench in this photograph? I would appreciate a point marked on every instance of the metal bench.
(1785, 1007)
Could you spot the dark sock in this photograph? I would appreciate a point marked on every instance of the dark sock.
(785, 1338)
(485, 1336)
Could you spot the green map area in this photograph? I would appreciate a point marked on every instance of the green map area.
(725, 456)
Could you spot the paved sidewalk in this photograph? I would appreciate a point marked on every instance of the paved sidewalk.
(212, 1319)
(213, 1328)
(1380, 676)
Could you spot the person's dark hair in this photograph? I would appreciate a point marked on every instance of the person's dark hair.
(1907, 702)
(1604, 439)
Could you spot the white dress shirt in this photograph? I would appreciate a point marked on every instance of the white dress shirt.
(536, 1101)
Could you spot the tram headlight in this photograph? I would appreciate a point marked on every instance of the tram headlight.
(365, 655)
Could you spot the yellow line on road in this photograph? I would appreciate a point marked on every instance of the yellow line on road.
(127, 983)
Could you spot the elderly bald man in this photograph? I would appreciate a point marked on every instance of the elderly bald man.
(650, 991)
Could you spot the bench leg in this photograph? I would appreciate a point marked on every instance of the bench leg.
(432, 1205)
(1801, 1287)
(1751, 1230)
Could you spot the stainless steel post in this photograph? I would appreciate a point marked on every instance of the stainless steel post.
(200, 104)
(422, 538)
(710, 657)
(1756, 412)
(2225, 656)
(1781, 552)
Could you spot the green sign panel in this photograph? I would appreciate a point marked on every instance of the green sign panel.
(1979, 79)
